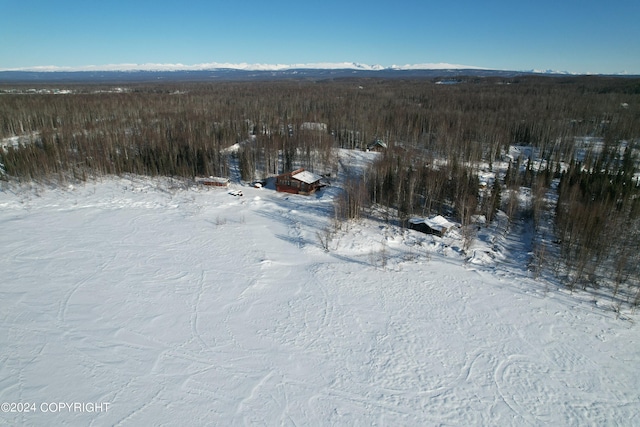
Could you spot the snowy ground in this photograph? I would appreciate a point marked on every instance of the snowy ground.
(179, 305)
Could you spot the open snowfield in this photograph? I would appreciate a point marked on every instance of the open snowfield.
(181, 305)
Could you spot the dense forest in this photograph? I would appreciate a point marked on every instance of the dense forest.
(581, 134)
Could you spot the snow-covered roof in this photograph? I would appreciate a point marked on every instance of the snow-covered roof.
(213, 179)
(306, 177)
(438, 222)
(378, 143)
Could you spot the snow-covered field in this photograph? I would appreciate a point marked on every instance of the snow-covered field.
(180, 305)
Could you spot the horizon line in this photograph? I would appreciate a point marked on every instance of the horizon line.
(245, 66)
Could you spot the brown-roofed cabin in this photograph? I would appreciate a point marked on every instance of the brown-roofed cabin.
(299, 181)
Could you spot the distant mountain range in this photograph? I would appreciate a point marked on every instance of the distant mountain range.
(225, 71)
(245, 67)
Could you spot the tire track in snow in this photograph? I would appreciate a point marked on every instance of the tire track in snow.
(531, 401)
(139, 408)
(242, 299)
(253, 393)
(324, 316)
(369, 403)
(64, 304)
(195, 311)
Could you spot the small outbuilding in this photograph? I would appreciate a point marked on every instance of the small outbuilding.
(213, 181)
(299, 181)
(437, 225)
(377, 145)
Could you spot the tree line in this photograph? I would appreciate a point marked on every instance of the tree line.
(182, 129)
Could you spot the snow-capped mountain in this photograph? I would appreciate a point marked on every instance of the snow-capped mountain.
(245, 67)
(253, 71)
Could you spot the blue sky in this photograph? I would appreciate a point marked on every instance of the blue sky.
(582, 36)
